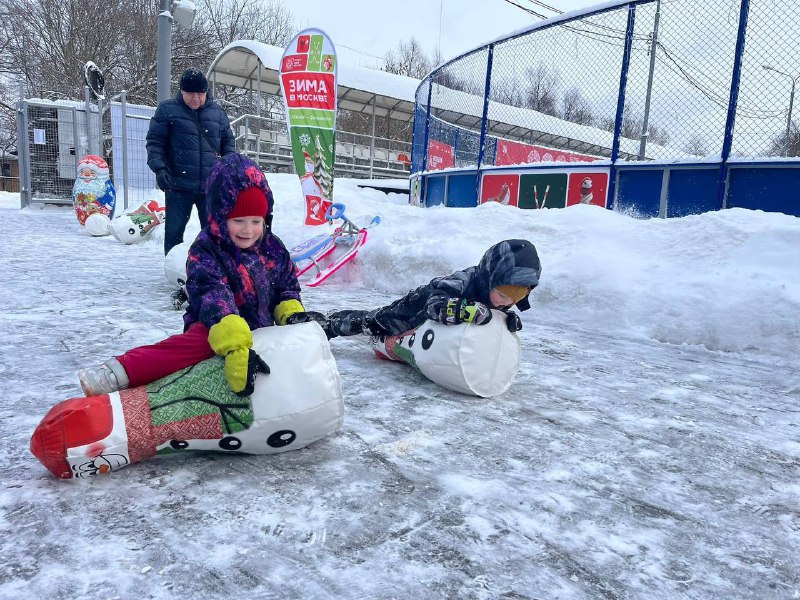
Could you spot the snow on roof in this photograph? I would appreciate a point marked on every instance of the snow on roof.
(238, 63)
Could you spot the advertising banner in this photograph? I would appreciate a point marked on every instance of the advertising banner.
(440, 156)
(546, 189)
(517, 153)
(308, 83)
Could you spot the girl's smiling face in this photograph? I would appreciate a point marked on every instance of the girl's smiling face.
(245, 231)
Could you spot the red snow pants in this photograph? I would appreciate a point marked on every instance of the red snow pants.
(145, 364)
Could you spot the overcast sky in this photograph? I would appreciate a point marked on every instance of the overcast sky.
(372, 28)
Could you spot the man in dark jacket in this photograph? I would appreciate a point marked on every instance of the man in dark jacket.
(186, 136)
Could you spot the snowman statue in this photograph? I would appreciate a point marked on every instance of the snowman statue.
(93, 195)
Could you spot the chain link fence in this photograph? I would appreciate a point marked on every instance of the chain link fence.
(640, 81)
(55, 135)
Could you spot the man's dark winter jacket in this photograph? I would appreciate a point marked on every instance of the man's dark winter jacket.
(175, 141)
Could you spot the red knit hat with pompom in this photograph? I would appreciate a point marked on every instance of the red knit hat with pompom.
(250, 202)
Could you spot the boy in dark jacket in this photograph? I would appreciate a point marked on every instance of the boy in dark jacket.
(186, 136)
(504, 277)
(239, 277)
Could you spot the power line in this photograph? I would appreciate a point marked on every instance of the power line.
(671, 61)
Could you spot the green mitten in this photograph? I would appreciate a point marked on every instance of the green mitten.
(232, 338)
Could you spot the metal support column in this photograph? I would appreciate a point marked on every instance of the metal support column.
(123, 97)
(23, 149)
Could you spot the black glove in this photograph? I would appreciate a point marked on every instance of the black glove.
(308, 317)
(255, 365)
(513, 322)
(164, 180)
(461, 310)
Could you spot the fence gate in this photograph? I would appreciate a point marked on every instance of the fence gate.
(52, 137)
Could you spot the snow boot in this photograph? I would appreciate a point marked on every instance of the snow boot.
(103, 379)
(179, 298)
(346, 322)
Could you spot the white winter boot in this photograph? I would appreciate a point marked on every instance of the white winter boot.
(103, 379)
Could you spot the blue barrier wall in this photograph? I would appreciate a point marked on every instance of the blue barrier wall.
(692, 117)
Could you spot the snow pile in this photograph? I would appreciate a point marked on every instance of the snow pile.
(727, 280)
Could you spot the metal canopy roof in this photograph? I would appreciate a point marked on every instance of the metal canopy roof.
(255, 66)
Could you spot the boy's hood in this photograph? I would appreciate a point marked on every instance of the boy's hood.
(511, 262)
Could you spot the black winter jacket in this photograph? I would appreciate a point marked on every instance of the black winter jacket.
(175, 142)
(511, 262)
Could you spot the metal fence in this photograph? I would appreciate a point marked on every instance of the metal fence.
(646, 80)
(51, 137)
(265, 139)
(54, 135)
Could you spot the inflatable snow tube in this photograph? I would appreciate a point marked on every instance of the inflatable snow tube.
(137, 224)
(479, 360)
(296, 404)
(175, 264)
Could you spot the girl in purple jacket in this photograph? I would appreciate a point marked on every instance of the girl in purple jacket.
(239, 278)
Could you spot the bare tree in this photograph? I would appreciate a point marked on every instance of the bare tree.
(46, 43)
(541, 89)
(657, 135)
(225, 21)
(696, 146)
(507, 91)
(577, 108)
(408, 59)
(786, 144)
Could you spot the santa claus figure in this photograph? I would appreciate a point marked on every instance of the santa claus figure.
(93, 194)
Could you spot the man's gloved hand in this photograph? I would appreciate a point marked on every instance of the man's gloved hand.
(255, 365)
(513, 322)
(308, 317)
(461, 310)
(163, 180)
(232, 339)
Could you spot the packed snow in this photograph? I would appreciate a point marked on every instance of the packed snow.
(649, 447)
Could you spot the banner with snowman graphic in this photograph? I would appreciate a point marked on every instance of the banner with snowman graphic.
(308, 81)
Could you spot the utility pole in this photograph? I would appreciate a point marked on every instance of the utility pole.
(646, 119)
(791, 103)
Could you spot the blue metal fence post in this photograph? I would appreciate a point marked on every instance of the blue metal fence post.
(623, 84)
(733, 102)
(427, 126)
(482, 142)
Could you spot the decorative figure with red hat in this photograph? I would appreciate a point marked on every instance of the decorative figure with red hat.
(93, 195)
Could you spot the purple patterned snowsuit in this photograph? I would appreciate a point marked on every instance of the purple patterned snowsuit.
(221, 278)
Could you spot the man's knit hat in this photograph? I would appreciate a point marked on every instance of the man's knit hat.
(250, 202)
(194, 81)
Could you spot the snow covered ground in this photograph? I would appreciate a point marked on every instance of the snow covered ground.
(649, 447)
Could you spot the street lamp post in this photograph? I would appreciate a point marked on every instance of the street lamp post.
(182, 11)
(791, 101)
(645, 120)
